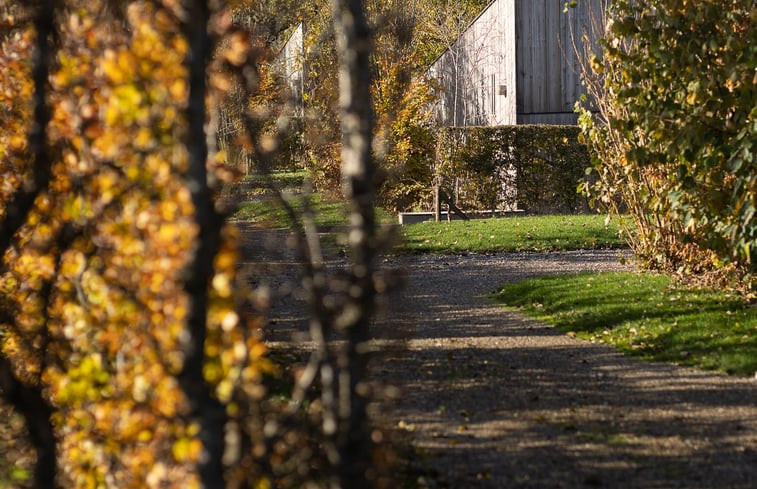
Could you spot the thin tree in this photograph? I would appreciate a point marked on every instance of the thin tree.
(353, 42)
(205, 407)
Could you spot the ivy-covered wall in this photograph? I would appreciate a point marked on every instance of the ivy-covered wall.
(534, 168)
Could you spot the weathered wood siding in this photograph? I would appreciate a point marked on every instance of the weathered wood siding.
(476, 73)
(290, 62)
(547, 64)
(516, 64)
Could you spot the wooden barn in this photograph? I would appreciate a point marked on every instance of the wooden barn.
(516, 63)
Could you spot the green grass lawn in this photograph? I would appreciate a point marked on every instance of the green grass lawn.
(268, 213)
(522, 233)
(527, 233)
(647, 316)
(284, 179)
(329, 213)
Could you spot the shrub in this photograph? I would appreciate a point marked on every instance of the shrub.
(674, 139)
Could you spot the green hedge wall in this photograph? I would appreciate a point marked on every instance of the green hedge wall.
(536, 167)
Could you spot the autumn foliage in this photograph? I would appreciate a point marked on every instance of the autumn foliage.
(674, 137)
(405, 38)
(94, 304)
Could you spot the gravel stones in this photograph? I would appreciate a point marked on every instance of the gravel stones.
(491, 399)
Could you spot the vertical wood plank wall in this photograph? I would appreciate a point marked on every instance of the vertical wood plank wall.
(548, 67)
(476, 73)
(521, 47)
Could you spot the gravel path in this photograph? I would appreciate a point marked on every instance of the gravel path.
(490, 399)
(494, 400)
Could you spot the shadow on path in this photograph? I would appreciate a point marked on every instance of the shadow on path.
(494, 400)
(490, 399)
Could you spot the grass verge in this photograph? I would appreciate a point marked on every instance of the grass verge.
(284, 179)
(329, 213)
(645, 315)
(268, 213)
(527, 233)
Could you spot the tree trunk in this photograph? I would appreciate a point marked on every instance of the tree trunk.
(205, 408)
(437, 203)
(358, 173)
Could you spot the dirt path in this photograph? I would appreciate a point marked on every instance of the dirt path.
(493, 400)
(490, 399)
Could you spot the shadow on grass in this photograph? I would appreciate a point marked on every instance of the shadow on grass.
(646, 316)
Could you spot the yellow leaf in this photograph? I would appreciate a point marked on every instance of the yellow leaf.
(18, 142)
(224, 390)
(229, 321)
(128, 97)
(167, 232)
(194, 450)
(181, 450)
(144, 138)
(112, 69)
(239, 46)
(193, 429)
(263, 484)
(222, 285)
(212, 372)
(225, 259)
(132, 172)
(178, 89)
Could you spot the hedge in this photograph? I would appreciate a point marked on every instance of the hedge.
(535, 168)
(676, 136)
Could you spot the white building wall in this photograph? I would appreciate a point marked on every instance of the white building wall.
(476, 74)
(291, 65)
(515, 64)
